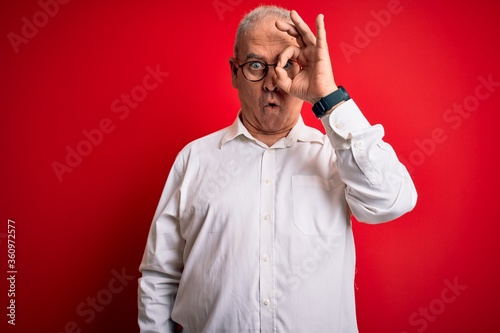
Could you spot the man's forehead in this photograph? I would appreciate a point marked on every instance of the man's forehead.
(264, 38)
(266, 29)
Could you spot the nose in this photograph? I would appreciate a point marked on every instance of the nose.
(269, 84)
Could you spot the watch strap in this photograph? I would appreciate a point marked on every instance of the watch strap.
(326, 103)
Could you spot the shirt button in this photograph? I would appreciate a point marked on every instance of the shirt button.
(358, 144)
(266, 258)
(268, 181)
(267, 302)
(267, 217)
(339, 125)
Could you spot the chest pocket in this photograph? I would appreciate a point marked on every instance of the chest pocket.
(319, 206)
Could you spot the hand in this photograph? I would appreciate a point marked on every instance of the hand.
(315, 80)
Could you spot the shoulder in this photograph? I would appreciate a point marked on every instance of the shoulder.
(196, 149)
(205, 143)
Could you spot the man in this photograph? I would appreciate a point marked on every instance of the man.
(253, 231)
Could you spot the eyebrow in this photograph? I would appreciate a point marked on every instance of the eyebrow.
(254, 56)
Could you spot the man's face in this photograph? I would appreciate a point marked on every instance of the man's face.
(264, 107)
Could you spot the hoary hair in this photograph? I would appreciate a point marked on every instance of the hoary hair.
(251, 18)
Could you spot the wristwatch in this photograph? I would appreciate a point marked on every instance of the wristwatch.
(326, 103)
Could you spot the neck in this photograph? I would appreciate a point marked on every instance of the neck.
(267, 136)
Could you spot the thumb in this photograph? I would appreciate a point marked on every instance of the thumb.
(282, 80)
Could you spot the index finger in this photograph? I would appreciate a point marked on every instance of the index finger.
(290, 53)
(292, 31)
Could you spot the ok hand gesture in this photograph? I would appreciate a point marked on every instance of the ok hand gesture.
(315, 80)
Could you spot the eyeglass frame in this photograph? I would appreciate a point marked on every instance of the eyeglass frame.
(266, 68)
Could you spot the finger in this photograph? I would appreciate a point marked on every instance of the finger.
(303, 29)
(282, 80)
(321, 31)
(291, 52)
(290, 29)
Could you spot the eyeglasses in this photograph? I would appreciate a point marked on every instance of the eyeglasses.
(255, 71)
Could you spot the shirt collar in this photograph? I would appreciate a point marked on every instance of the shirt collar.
(300, 132)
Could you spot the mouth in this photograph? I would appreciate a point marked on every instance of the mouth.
(271, 105)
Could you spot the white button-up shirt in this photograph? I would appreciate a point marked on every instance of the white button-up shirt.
(251, 238)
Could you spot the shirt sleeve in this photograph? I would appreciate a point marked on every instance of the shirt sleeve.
(162, 263)
(378, 187)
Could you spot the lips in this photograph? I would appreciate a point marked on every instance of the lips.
(271, 104)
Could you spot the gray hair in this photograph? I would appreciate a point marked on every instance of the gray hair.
(250, 19)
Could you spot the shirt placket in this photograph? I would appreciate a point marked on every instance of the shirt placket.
(266, 245)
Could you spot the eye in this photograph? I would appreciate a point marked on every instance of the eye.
(256, 66)
(288, 66)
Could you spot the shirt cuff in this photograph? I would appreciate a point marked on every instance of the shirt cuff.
(342, 122)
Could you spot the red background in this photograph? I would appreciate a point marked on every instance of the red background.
(74, 233)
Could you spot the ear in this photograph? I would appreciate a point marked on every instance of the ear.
(234, 71)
